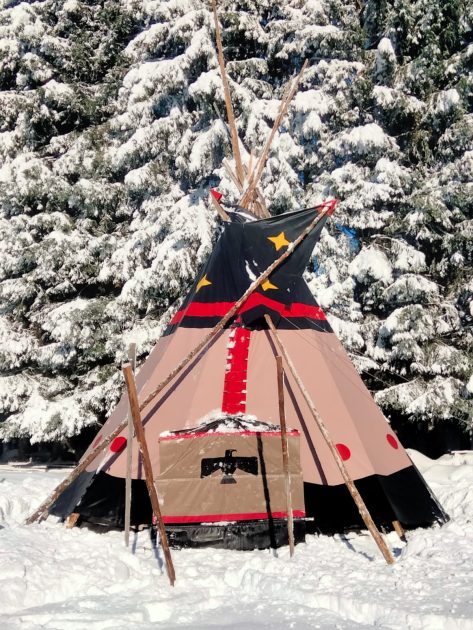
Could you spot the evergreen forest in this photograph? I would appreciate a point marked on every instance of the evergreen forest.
(113, 129)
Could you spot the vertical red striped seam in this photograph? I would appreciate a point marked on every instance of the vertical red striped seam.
(234, 386)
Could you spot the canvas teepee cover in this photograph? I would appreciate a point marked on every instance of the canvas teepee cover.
(236, 375)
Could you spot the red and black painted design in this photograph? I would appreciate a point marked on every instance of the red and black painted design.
(213, 518)
(242, 253)
(236, 371)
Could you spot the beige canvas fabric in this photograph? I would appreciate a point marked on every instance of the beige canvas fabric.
(186, 496)
(347, 408)
(352, 418)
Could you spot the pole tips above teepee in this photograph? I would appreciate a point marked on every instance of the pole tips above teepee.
(247, 177)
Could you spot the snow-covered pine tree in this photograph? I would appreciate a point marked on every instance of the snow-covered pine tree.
(109, 140)
(419, 313)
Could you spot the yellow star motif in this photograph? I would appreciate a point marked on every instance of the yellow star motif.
(279, 241)
(203, 283)
(268, 285)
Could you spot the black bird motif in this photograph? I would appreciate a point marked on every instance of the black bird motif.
(228, 465)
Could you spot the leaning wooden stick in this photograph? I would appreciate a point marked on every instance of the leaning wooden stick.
(141, 439)
(258, 200)
(360, 504)
(129, 454)
(232, 175)
(228, 98)
(41, 512)
(250, 163)
(261, 205)
(256, 175)
(285, 455)
(399, 529)
(72, 520)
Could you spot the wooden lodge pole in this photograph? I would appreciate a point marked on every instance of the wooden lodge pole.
(228, 99)
(360, 504)
(258, 209)
(399, 529)
(41, 511)
(258, 170)
(72, 520)
(141, 439)
(250, 164)
(129, 454)
(258, 203)
(232, 175)
(285, 455)
(261, 211)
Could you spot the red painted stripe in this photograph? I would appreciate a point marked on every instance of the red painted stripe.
(238, 363)
(237, 375)
(188, 436)
(211, 518)
(219, 309)
(234, 386)
(233, 403)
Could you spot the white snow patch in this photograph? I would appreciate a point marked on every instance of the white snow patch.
(371, 263)
(57, 578)
(385, 47)
(446, 101)
(469, 385)
(365, 139)
(218, 422)
(313, 101)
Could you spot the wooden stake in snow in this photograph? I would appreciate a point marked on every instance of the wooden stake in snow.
(72, 520)
(129, 454)
(360, 504)
(228, 98)
(153, 495)
(285, 455)
(399, 529)
(324, 209)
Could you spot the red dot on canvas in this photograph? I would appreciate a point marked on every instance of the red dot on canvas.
(118, 444)
(344, 451)
(392, 441)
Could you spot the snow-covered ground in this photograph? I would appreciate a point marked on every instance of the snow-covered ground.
(54, 578)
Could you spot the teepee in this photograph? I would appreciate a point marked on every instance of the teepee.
(211, 404)
(236, 377)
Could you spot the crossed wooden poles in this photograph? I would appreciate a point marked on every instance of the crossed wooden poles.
(251, 199)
